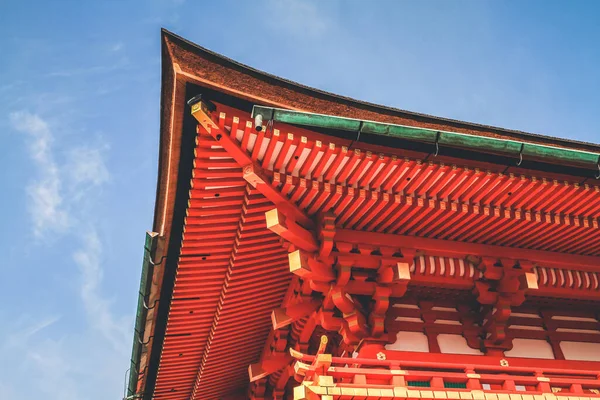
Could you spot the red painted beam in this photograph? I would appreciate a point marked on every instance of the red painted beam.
(451, 249)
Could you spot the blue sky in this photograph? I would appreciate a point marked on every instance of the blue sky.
(79, 103)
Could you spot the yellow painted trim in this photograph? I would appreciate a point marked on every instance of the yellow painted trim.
(300, 393)
(334, 391)
(318, 390)
(295, 353)
(325, 380)
(397, 372)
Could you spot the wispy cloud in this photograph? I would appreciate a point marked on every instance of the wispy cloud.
(59, 367)
(85, 170)
(59, 202)
(54, 371)
(44, 359)
(61, 197)
(98, 309)
(46, 202)
(20, 336)
(57, 189)
(39, 326)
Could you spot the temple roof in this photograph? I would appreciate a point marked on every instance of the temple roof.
(221, 271)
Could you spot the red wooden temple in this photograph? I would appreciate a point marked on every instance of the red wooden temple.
(311, 246)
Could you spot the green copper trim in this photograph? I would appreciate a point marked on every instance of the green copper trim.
(510, 148)
(400, 131)
(142, 310)
(306, 119)
(480, 143)
(566, 155)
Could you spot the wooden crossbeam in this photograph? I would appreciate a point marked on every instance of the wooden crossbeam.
(450, 248)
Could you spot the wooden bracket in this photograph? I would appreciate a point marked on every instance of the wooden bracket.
(289, 230)
(307, 267)
(282, 317)
(267, 366)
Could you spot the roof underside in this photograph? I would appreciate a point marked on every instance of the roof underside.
(232, 271)
(226, 271)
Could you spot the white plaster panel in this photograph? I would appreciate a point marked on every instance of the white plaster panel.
(580, 351)
(531, 348)
(410, 341)
(455, 344)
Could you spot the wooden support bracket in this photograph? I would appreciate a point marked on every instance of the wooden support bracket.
(289, 230)
(307, 267)
(282, 317)
(529, 281)
(267, 366)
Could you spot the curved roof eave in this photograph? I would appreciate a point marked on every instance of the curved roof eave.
(185, 63)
